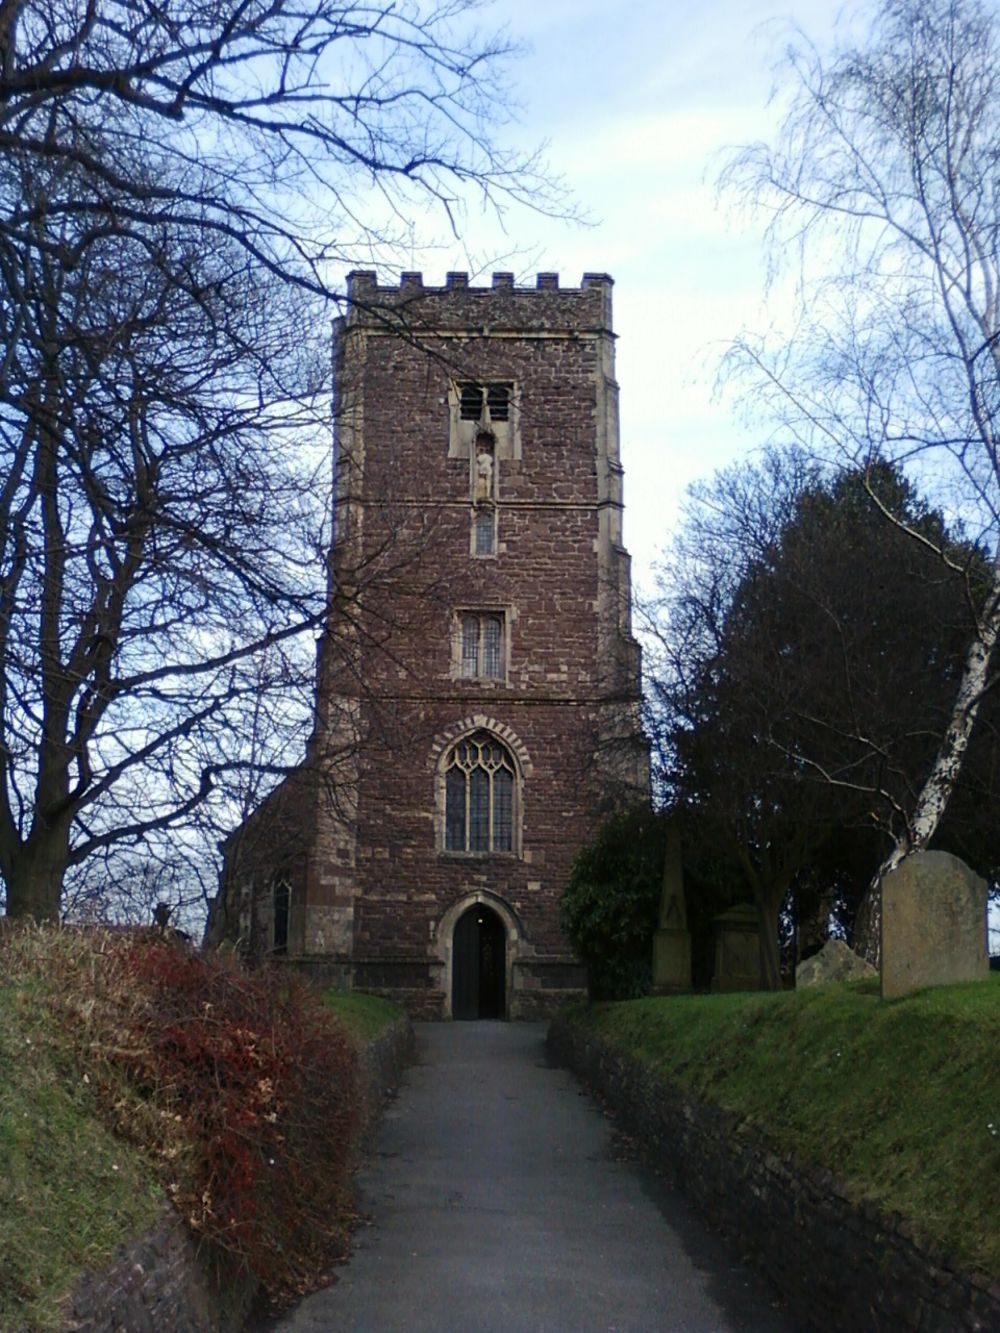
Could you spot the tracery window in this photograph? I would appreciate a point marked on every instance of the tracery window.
(479, 796)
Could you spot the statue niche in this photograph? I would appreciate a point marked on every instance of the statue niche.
(484, 469)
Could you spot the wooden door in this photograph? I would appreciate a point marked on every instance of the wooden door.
(479, 965)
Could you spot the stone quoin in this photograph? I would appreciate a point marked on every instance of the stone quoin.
(477, 708)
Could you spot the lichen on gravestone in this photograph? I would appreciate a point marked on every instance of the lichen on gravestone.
(933, 924)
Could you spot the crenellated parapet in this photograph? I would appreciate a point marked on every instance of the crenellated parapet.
(501, 307)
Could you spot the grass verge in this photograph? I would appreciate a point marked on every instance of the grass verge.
(365, 1017)
(900, 1099)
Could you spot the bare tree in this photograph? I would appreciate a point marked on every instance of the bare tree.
(885, 175)
(154, 536)
(281, 123)
(176, 184)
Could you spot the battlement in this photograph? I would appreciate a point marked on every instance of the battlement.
(460, 306)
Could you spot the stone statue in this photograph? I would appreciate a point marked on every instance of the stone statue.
(484, 470)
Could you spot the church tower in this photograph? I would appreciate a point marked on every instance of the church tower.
(478, 687)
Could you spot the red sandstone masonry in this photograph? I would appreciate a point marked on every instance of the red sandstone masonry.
(378, 894)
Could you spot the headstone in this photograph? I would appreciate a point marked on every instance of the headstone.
(812, 920)
(672, 941)
(834, 962)
(737, 949)
(933, 924)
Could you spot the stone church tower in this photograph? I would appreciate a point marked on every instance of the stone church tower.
(478, 686)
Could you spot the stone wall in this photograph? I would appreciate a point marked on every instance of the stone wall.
(377, 884)
(378, 879)
(381, 1065)
(163, 1283)
(841, 1264)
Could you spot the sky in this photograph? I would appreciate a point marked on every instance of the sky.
(638, 103)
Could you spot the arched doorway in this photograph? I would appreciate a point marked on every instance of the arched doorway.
(479, 965)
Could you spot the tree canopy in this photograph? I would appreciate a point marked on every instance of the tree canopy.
(609, 907)
(883, 183)
(273, 125)
(808, 658)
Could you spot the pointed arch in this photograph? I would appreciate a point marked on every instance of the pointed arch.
(476, 722)
(443, 943)
(479, 767)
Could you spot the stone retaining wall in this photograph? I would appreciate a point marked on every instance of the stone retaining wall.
(382, 1063)
(163, 1283)
(160, 1282)
(841, 1264)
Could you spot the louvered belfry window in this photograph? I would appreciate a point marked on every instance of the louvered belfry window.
(497, 400)
(479, 796)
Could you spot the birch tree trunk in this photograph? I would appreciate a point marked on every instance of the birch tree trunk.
(937, 789)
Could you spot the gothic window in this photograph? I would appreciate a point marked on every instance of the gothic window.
(479, 796)
(482, 645)
(281, 902)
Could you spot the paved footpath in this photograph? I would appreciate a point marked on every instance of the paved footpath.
(498, 1206)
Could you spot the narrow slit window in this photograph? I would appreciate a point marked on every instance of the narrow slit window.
(455, 813)
(479, 810)
(503, 810)
(281, 908)
(485, 528)
(498, 401)
(492, 646)
(470, 646)
(470, 401)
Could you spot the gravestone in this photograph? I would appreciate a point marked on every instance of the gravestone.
(737, 949)
(834, 962)
(933, 924)
(672, 940)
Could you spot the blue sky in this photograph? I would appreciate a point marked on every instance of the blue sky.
(638, 103)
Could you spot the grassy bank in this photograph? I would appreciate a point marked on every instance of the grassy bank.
(900, 1099)
(133, 1072)
(365, 1017)
(70, 1190)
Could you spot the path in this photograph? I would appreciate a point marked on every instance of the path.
(498, 1206)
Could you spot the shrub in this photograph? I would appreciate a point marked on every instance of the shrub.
(240, 1087)
(609, 908)
(261, 1082)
